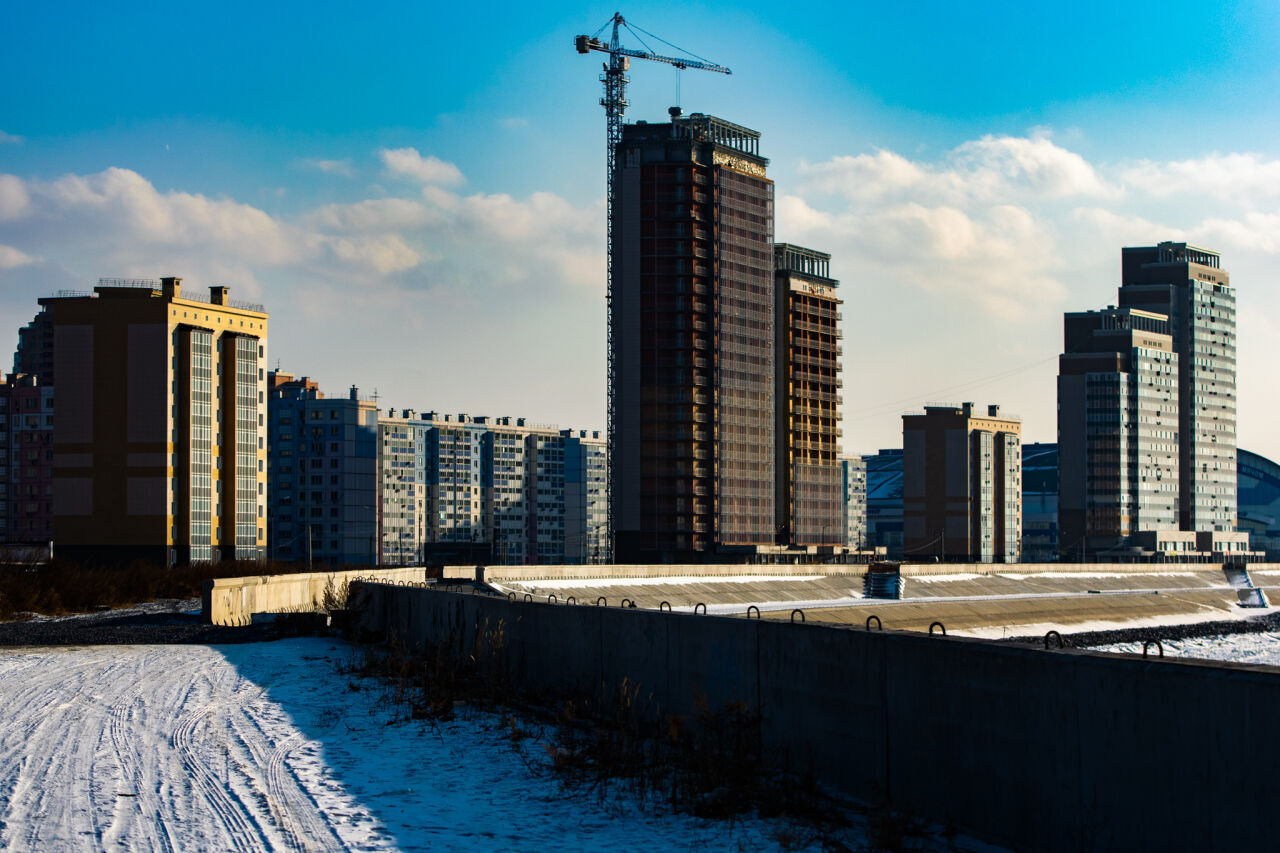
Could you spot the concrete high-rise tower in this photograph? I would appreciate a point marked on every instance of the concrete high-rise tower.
(1189, 286)
(1117, 434)
(692, 472)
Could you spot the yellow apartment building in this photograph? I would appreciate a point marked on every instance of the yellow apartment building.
(159, 435)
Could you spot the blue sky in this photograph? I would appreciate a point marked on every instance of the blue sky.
(416, 191)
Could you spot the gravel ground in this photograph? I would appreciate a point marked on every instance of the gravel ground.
(162, 622)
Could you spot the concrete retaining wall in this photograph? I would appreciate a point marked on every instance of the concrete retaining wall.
(1054, 751)
(233, 601)
(520, 573)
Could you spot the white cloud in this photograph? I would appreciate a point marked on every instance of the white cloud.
(118, 203)
(408, 163)
(993, 168)
(383, 254)
(999, 164)
(372, 215)
(1246, 179)
(332, 167)
(1254, 231)
(117, 222)
(11, 257)
(13, 197)
(9, 138)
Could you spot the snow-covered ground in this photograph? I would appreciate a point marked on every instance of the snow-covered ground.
(1240, 648)
(265, 746)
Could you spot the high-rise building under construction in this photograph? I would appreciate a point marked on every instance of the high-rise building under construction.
(692, 342)
(809, 477)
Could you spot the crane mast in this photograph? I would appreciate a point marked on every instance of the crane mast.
(614, 78)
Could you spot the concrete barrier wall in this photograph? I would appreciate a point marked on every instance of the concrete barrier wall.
(233, 601)
(909, 569)
(524, 573)
(520, 573)
(1056, 751)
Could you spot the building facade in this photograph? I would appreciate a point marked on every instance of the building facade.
(586, 538)
(884, 501)
(807, 398)
(402, 489)
(159, 446)
(34, 355)
(1039, 503)
(456, 489)
(962, 485)
(1187, 285)
(691, 342)
(1258, 490)
(323, 460)
(853, 511)
(26, 461)
(1117, 431)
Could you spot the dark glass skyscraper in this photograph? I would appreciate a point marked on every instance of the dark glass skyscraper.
(692, 475)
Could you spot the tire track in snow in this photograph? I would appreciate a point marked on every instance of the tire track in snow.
(303, 822)
(37, 808)
(241, 831)
(139, 801)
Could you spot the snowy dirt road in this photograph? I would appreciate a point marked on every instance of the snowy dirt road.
(265, 746)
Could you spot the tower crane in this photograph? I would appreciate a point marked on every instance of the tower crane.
(614, 102)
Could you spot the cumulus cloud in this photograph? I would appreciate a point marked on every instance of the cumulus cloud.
(992, 168)
(408, 163)
(371, 215)
(116, 221)
(9, 138)
(998, 164)
(1238, 178)
(998, 258)
(1015, 225)
(11, 257)
(13, 197)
